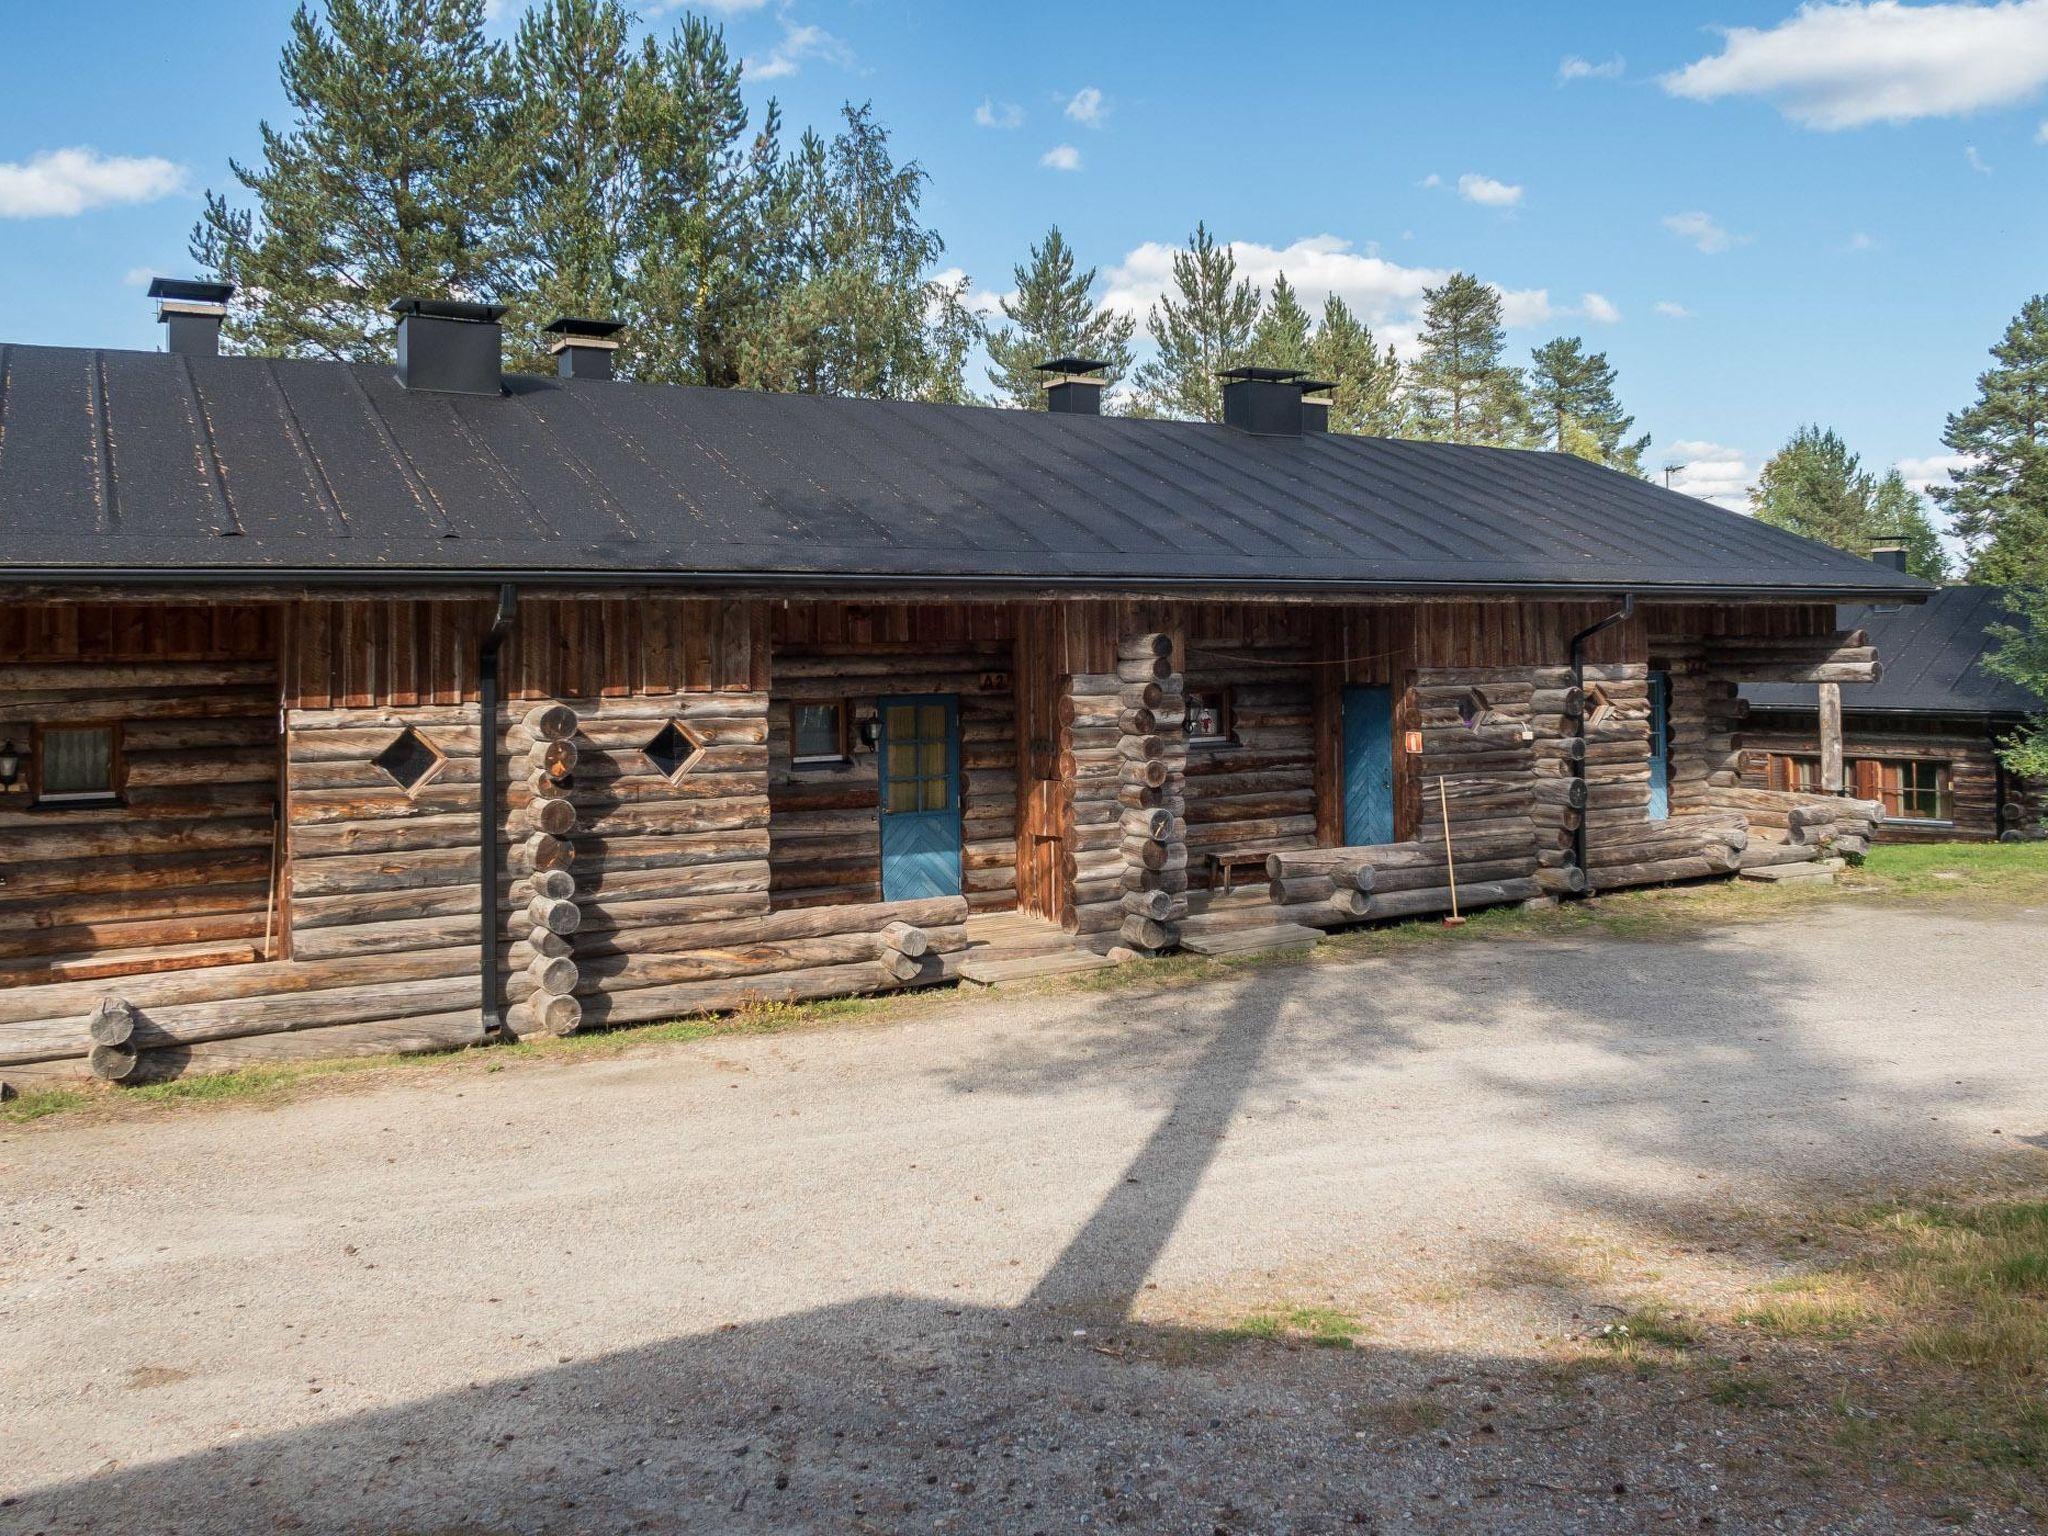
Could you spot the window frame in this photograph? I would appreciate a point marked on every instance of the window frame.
(843, 732)
(1893, 789)
(1800, 767)
(1226, 709)
(115, 794)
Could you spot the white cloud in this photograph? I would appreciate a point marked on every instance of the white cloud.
(61, 183)
(1572, 67)
(1974, 160)
(1487, 192)
(1061, 157)
(1431, 180)
(1847, 64)
(139, 277)
(1599, 309)
(1932, 470)
(798, 45)
(2041, 133)
(1385, 294)
(1672, 310)
(1712, 472)
(1859, 242)
(998, 114)
(977, 300)
(1703, 231)
(1087, 106)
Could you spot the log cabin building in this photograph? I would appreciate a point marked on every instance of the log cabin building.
(351, 708)
(1923, 742)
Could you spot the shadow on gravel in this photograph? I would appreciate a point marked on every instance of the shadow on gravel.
(895, 1414)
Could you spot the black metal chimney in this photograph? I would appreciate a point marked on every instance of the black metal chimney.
(1890, 553)
(583, 348)
(191, 312)
(1315, 404)
(450, 346)
(1263, 401)
(1071, 386)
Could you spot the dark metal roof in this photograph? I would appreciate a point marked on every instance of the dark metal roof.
(143, 466)
(1933, 656)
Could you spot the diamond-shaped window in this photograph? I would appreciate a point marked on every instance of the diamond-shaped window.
(674, 750)
(410, 760)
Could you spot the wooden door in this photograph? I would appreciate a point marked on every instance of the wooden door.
(1041, 794)
(1368, 766)
(920, 794)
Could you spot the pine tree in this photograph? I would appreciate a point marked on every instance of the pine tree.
(2022, 656)
(704, 274)
(1367, 398)
(1998, 504)
(1814, 486)
(577, 186)
(1460, 390)
(1051, 315)
(1571, 395)
(855, 311)
(1281, 337)
(1204, 330)
(393, 182)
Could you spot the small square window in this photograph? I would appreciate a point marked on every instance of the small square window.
(75, 764)
(410, 760)
(674, 750)
(817, 733)
(1209, 722)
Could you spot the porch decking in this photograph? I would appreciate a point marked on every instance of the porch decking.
(1015, 946)
(1241, 923)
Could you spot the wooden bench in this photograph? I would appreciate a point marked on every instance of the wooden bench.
(1223, 866)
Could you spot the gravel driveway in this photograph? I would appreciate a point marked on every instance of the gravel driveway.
(955, 1271)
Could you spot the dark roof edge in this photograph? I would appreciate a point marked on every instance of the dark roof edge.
(231, 576)
(1851, 709)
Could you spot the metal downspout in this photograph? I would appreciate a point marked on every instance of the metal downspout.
(487, 701)
(1578, 664)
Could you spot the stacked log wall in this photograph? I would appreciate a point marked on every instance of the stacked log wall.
(1974, 776)
(1255, 793)
(1152, 754)
(826, 832)
(180, 872)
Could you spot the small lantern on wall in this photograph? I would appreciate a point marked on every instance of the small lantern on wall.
(12, 761)
(868, 732)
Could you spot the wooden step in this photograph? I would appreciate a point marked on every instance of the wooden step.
(1275, 938)
(1818, 871)
(993, 970)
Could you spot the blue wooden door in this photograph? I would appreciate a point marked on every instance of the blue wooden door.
(920, 793)
(1368, 766)
(1660, 746)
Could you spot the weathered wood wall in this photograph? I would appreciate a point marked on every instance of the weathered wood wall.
(825, 828)
(1974, 776)
(1257, 793)
(179, 873)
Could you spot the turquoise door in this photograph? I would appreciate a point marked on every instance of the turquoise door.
(1368, 766)
(920, 792)
(1660, 746)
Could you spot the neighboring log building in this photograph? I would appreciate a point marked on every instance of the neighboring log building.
(348, 709)
(1923, 742)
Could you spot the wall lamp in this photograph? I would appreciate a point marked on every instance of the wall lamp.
(12, 760)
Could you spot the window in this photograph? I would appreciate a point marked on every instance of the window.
(1911, 789)
(1797, 773)
(919, 770)
(674, 751)
(818, 733)
(409, 761)
(1209, 722)
(77, 764)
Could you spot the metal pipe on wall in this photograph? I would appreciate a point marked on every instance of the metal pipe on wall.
(487, 702)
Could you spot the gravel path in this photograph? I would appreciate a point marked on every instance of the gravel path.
(954, 1271)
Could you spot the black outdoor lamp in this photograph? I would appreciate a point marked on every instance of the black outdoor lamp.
(11, 761)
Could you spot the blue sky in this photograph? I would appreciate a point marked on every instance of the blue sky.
(1765, 214)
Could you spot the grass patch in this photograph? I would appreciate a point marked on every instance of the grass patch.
(1648, 1331)
(1809, 1307)
(1323, 1327)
